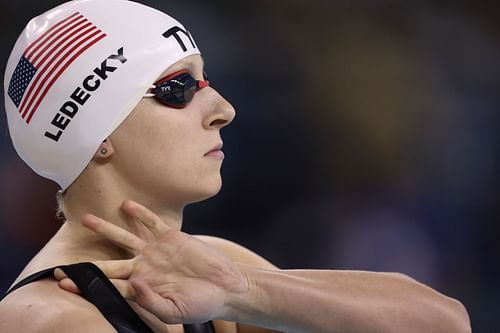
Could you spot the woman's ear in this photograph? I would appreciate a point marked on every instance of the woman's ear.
(104, 152)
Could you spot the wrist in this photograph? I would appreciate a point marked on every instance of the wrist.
(235, 298)
(241, 305)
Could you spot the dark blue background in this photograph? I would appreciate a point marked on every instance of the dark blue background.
(367, 137)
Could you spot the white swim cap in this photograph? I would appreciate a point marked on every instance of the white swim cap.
(75, 74)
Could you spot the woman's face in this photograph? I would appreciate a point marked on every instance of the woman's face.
(165, 151)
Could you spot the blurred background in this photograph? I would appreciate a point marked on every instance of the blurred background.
(366, 137)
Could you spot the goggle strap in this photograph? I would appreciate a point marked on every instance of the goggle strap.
(150, 94)
(203, 83)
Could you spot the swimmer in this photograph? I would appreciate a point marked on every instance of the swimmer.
(108, 98)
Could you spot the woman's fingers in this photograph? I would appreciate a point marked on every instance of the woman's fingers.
(68, 285)
(113, 269)
(123, 286)
(115, 234)
(59, 274)
(116, 269)
(125, 289)
(152, 221)
(150, 319)
(163, 307)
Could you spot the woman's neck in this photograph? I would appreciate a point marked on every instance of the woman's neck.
(75, 243)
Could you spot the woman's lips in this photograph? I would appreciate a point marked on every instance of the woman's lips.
(216, 152)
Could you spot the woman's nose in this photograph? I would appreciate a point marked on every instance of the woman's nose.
(220, 112)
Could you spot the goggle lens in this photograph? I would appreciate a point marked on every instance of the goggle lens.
(178, 89)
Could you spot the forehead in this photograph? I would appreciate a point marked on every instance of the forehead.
(193, 63)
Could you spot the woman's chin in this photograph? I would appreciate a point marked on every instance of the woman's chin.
(207, 191)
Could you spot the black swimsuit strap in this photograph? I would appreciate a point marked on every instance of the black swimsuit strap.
(97, 289)
(32, 278)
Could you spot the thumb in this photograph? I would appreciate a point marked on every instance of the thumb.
(163, 307)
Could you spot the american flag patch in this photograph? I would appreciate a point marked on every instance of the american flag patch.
(44, 60)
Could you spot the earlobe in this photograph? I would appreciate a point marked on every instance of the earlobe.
(104, 152)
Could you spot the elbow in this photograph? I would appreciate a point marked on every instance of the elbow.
(441, 313)
(459, 318)
(453, 316)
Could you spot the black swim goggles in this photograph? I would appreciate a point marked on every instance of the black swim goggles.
(177, 89)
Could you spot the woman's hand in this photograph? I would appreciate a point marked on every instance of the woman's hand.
(177, 277)
(181, 279)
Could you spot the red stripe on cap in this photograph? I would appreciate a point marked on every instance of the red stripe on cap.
(28, 100)
(73, 58)
(50, 47)
(45, 36)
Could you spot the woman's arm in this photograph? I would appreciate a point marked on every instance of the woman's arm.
(182, 279)
(344, 301)
(372, 297)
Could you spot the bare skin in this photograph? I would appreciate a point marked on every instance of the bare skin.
(158, 157)
(182, 279)
(51, 309)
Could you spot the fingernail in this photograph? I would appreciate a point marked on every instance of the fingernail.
(89, 219)
(59, 274)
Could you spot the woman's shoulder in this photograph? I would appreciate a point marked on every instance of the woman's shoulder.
(237, 252)
(42, 307)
